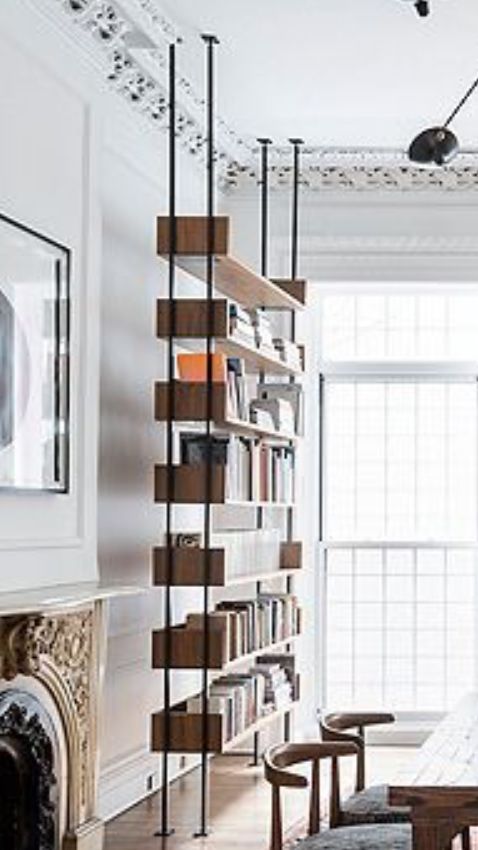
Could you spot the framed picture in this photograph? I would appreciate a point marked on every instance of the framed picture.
(34, 360)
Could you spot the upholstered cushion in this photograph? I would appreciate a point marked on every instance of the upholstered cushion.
(380, 837)
(372, 806)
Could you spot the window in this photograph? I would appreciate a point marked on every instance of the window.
(400, 498)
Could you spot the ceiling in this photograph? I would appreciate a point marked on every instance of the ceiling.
(337, 72)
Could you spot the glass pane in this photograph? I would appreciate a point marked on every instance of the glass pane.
(402, 461)
(407, 630)
(425, 326)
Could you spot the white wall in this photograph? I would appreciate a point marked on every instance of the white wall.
(46, 172)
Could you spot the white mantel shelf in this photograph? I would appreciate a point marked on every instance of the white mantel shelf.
(60, 598)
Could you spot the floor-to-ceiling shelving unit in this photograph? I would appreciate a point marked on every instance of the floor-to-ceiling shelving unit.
(199, 245)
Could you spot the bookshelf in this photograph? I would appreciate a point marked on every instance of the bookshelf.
(187, 732)
(190, 405)
(231, 277)
(187, 567)
(241, 453)
(191, 319)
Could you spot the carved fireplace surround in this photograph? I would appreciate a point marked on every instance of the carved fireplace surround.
(51, 665)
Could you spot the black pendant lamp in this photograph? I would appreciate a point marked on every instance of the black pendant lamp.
(438, 145)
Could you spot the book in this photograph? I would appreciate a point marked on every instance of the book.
(238, 403)
(280, 411)
(193, 368)
(292, 393)
(195, 448)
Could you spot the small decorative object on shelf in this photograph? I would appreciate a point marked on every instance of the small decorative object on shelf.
(233, 416)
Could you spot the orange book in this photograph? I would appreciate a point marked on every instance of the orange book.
(193, 368)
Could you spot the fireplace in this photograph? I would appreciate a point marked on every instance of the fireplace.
(29, 774)
(50, 666)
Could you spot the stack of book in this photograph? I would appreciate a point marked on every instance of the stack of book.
(289, 353)
(256, 471)
(279, 411)
(238, 698)
(250, 625)
(274, 476)
(250, 552)
(243, 698)
(240, 325)
(287, 661)
(291, 393)
(263, 332)
(278, 692)
(254, 624)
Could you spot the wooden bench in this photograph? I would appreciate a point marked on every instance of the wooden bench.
(441, 783)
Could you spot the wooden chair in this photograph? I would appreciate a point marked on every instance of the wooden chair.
(367, 805)
(367, 837)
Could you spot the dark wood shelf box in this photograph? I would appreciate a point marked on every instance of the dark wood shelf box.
(189, 484)
(191, 318)
(188, 567)
(296, 288)
(186, 732)
(231, 277)
(187, 648)
(190, 401)
(291, 555)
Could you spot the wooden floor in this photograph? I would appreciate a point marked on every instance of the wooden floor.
(240, 801)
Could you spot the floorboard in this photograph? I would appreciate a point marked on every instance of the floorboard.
(240, 803)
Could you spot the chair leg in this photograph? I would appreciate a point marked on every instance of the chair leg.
(466, 839)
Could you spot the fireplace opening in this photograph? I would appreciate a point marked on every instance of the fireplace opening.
(29, 811)
(19, 807)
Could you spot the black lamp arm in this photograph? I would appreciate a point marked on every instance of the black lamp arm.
(461, 104)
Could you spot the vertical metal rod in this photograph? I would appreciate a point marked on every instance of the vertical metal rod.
(165, 829)
(210, 42)
(264, 227)
(264, 143)
(296, 145)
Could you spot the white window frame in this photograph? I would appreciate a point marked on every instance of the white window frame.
(388, 370)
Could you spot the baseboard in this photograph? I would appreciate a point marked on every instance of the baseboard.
(127, 781)
(130, 779)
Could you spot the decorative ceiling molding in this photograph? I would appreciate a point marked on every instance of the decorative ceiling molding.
(358, 170)
(127, 41)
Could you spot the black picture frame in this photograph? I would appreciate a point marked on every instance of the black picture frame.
(35, 360)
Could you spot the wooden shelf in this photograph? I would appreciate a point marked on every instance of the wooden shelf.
(189, 487)
(188, 567)
(189, 484)
(187, 649)
(190, 405)
(186, 730)
(191, 323)
(233, 278)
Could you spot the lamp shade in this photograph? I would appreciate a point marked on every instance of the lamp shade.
(436, 145)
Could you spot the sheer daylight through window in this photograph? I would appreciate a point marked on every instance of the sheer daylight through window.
(399, 474)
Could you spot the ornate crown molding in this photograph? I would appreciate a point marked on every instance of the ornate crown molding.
(127, 41)
(358, 170)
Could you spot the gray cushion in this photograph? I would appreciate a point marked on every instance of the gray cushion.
(379, 837)
(372, 806)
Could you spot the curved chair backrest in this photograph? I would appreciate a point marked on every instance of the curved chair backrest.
(337, 726)
(278, 759)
